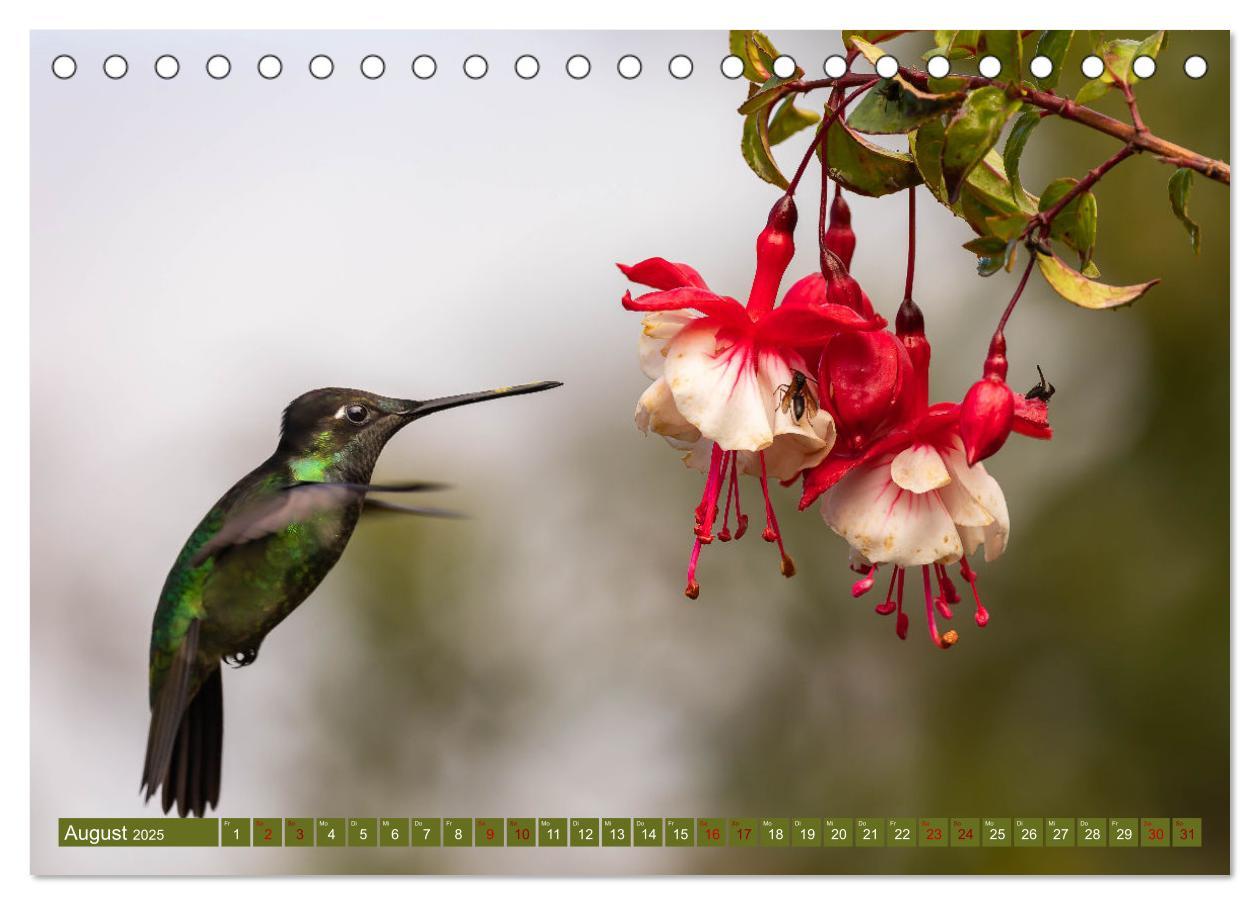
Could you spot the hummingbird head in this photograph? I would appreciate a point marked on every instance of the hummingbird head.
(340, 423)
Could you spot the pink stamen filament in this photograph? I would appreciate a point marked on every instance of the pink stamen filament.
(969, 576)
(888, 606)
(942, 601)
(706, 514)
(725, 534)
(903, 621)
(940, 641)
(772, 533)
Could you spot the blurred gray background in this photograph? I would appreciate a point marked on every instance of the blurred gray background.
(204, 251)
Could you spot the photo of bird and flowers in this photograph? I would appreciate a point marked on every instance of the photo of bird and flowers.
(955, 243)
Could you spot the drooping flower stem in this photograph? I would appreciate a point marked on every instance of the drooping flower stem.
(910, 248)
(832, 115)
(1010, 306)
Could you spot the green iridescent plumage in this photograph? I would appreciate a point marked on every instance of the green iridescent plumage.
(255, 556)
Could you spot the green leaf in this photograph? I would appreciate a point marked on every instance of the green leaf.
(1077, 224)
(894, 106)
(925, 148)
(758, 54)
(963, 44)
(866, 48)
(870, 36)
(1117, 56)
(992, 253)
(1015, 142)
(972, 132)
(773, 89)
(756, 148)
(790, 119)
(866, 168)
(1008, 48)
(1053, 45)
(1080, 290)
(940, 47)
(1179, 195)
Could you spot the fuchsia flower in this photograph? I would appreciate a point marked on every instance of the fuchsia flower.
(900, 484)
(724, 374)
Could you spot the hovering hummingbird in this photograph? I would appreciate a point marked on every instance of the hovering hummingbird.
(258, 553)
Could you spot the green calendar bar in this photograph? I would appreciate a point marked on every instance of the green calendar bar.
(837, 832)
(744, 831)
(234, 831)
(710, 832)
(299, 832)
(522, 831)
(1187, 832)
(639, 832)
(268, 832)
(153, 832)
(649, 831)
(489, 831)
(614, 832)
(553, 832)
(426, 832)
(394, 831)
(330, 831)
(457, 832)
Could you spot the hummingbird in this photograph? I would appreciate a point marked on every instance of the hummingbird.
(258, 553)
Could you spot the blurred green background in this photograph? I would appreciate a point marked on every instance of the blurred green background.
(541, 659)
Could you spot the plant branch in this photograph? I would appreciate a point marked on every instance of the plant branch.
(1137, 134)
(1053, 104)
(1019, 290)
(1041, 222)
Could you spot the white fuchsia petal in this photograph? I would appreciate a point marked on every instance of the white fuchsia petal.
(985, 493)
(656, 412)
(919, 468)
(886, 523)
(659, 330)
(715, 386)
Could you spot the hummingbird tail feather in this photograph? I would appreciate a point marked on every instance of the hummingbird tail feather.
(184, 753)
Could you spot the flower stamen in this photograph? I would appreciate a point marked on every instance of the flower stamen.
(903, 621)
(862, 585)
(949, 638)
(969, 576)
(888, 606)
(772, 533)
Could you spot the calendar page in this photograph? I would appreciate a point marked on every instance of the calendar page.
(630, 452)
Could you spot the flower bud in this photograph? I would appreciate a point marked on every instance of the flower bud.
(988, 409)
(839, 237)
(841, 288)
(910, 332)
(774, 252)
(862, 381)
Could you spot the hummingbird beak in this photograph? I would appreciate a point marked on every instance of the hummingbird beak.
(442, 403)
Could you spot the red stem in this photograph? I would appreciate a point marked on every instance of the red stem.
(910, 250)
(830, 118)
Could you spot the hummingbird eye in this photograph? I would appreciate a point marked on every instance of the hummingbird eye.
(356, 414)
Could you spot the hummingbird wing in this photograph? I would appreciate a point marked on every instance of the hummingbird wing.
(385, 506)
(274, 512)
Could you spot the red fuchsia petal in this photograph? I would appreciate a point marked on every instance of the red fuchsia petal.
(808, 290)
(661, 274)
(861, 381)
(985, 421)
(804, 325)
(1032, 418)
(719, 306)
